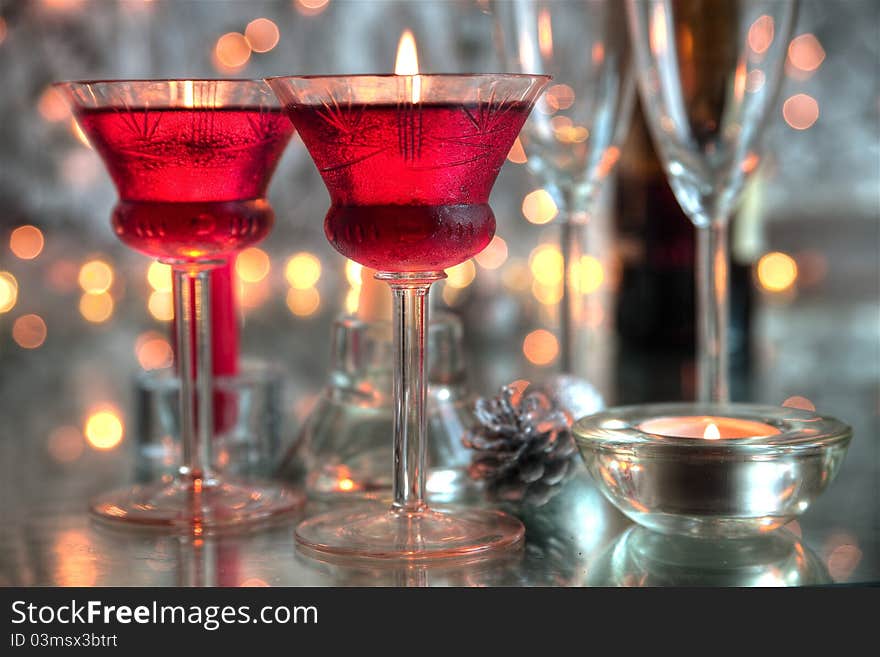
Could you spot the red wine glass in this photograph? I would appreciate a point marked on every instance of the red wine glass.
(409, 161)
(191, 161)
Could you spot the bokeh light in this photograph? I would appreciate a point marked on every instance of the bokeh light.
(8, 291)
(517, 153)
(262, 34)
(805, 52)
(538, 207)
(461, 275)
(26, 242)
(159, 277)
(353, 273)
(311, 7)
(95, 277)
(153, 352)
(549, 295)
(65, 444)
(776, 271)
(303, 303)
(587, 274)
(760, 35)
(540, 347)
(303, 270)
(29, 331)
(52, 106)
(96, 308)
(104, 429)
(252, 265)
(494, 255)
(232, 51)
(161, 306)
(800, 111)
(797, 401)
(546, 264)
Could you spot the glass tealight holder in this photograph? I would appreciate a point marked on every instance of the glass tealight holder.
(711, 470)
(342, 448)
(247, 422)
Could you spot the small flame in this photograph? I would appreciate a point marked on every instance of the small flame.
(407, 63)
(711, 432)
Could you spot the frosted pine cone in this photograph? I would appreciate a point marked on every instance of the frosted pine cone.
(523, 448)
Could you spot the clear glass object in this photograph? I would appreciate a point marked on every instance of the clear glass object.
(572, 138)
(409, 162)
(247, 433)
(705, 487)
(191, 161)
(640, 557)
(342, 447)
(709, 74)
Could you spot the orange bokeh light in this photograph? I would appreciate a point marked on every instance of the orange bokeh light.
(540, 347)
(805, 52)
(262, 34)
(232, 50)
(65, 444)
(95, 277)
(26, 242)
(800, 111)
(96, 308)
(538, 207)
(52, 106)
(104, 429)
(311, 7)
(8, 291)
(777, 271)
(761, 34)
(29, 331)
(252, 265)
(494, 255)
(517, 153)
(303, 302)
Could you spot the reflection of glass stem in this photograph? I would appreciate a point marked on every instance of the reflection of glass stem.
(712, 299)
(410, 292)
(194, 353)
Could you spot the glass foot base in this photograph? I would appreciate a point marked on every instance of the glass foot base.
(181, 505)
(380, 533)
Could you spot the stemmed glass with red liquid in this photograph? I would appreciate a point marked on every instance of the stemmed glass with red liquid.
(191, 160)
(409, 162)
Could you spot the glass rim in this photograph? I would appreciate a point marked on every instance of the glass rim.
(84, 82)
(799, 430)
(340, 76)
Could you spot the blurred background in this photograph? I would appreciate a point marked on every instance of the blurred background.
(81, 315)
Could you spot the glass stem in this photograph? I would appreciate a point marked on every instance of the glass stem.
(192, 307)
(410, 291)
(712, 300)
(572, 245)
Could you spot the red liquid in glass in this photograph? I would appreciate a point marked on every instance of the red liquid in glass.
(192, 182)
(409, 184)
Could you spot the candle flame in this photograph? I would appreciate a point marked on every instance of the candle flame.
(711, 432)
(407, 62)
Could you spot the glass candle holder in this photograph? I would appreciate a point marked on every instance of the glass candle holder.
(342, 447)
(714, 470)
(247, 425)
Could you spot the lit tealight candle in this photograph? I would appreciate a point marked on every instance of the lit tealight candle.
(707, 427)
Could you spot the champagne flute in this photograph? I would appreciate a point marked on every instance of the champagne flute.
(572, 138)
(709, 74)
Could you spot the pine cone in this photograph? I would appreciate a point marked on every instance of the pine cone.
(522, 443)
